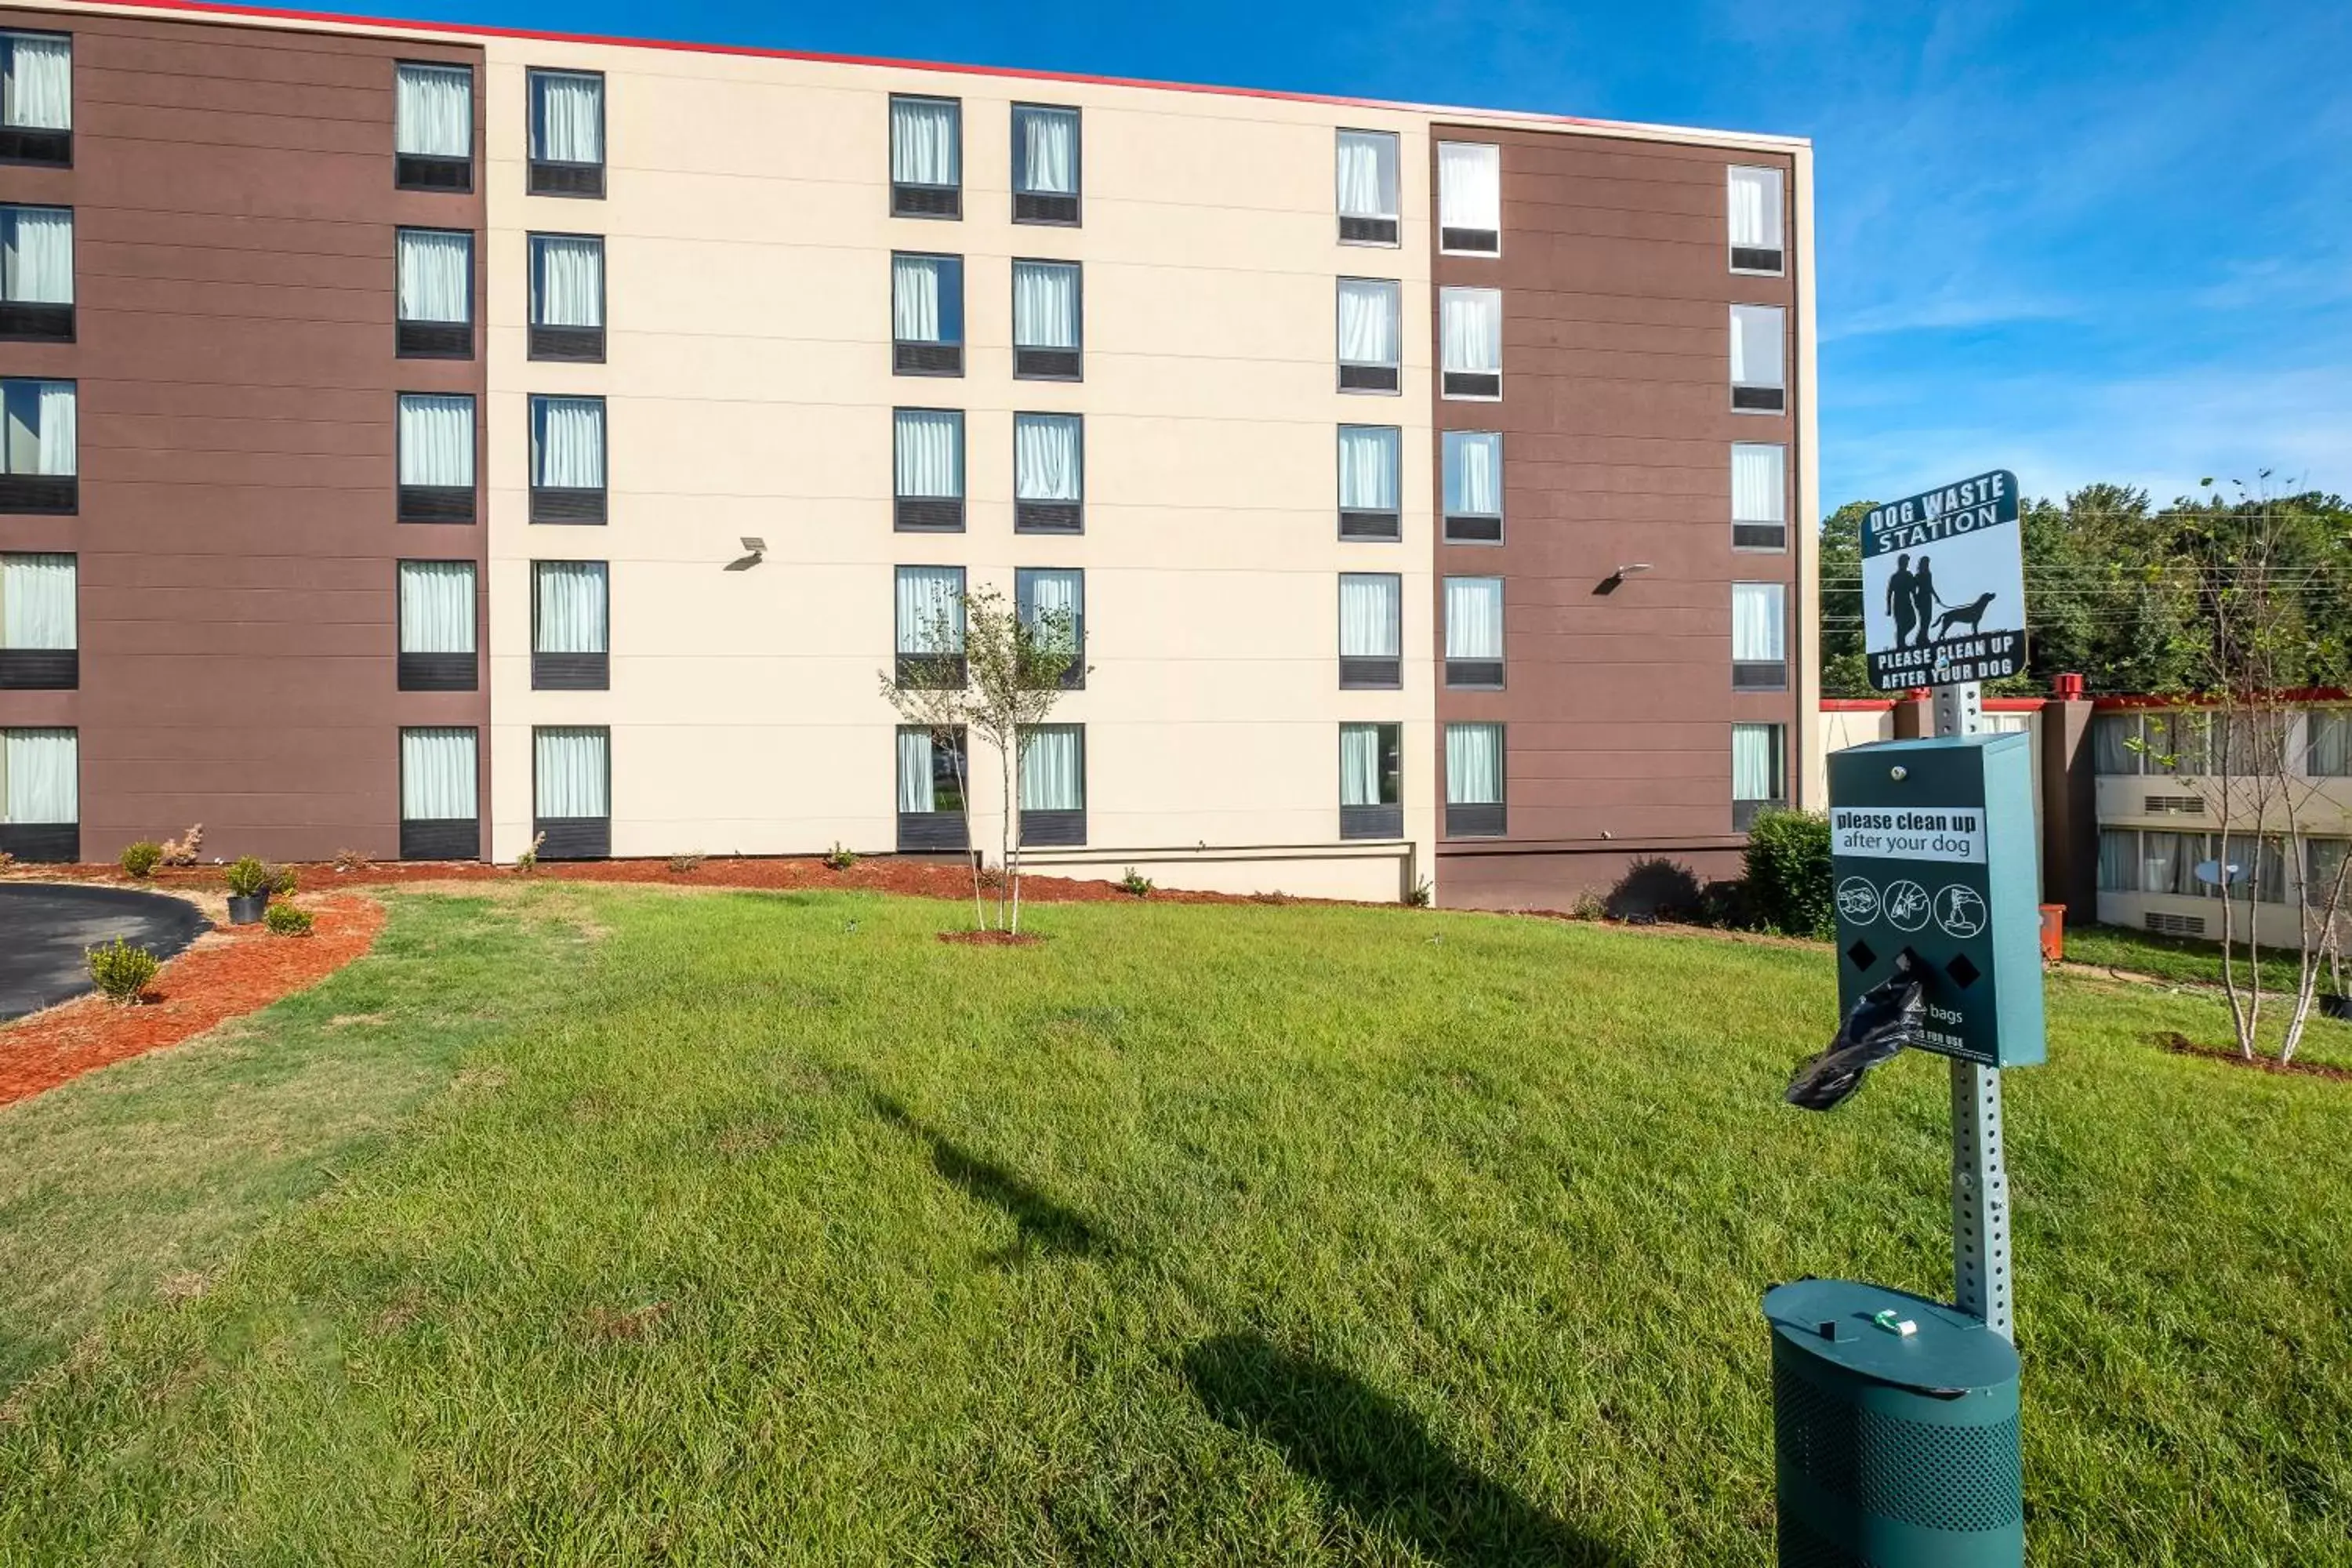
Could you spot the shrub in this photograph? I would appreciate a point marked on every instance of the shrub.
(140, 858)
(1788, 861)
(685, 865)
(1422, 895)
(350, 860)
(122, 971)
(283, 881)
(841, 856)
(248, 878)
(528, 859)
(288, 919)
(1655, 888)
(182, 851)
(1136, 885)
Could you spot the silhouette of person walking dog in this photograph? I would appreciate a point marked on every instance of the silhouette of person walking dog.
(1912, 600)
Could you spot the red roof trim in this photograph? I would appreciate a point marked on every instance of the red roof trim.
(2312, 694)
(1880, 704)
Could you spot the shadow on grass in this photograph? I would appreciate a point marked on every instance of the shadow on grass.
(1376, 1459)
(1045, 1225)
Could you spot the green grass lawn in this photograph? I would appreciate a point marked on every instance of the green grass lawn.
(768, 1228)
(2180, 960)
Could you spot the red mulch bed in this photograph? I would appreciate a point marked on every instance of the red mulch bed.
(230, 973)
(2181, 1045)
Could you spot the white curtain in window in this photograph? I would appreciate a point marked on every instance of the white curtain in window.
(2118, 860)
(1473, 765)
(1755, 762)
(1371, 457)
(1473, 473)
(36, 601)
(37, 254)
(1369, 607)
(923, 141)
(1053, 768)
(1048, 457)
(1368, 330)
(915, 771)
(437, 606)
(571, 609)
(1360, 764)
(2111, 737)
(2328, 749)
(1756, 208)
(436, 440)
(38, 88)
(915, 288)
(929, 453)
(436, 275)
(433, 114)
(1471, 329)
(1045, 151)
(572, 771)
(1368, 173)
(2321, 858)
(438, 776)
(40, 778)
(1058, 600)
(567, 276)
(568, 443)
(1045, 305)
(567, 117)
(1757, 617)
(1473, 617)
(1469, 185)
(1759, 483)
(2165, 867)
(930, 609)
(1756, 345)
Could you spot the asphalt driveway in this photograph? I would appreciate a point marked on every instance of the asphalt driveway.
(45, 929)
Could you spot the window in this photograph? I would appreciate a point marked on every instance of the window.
(572, 791)
(931, 627)
(1371, 482)
(2260, 868)
(2322, 863)
(436, 627)
(2327, 744)
(39, 636)
(1368, 187)
(1473, 632)
(436, 294)
(1045, 164)
(1371, 781)
(1473, 487)
(1756, 221)
(932, 776)
(1046, 311)
(1471, 332)
(1758, 383)
(928, 451)
(433, 127)
(1370, 642)
(1759, 497)
(1052, 601)
(2114, 745)
(40, 794)
(926, 315)
(567, 297)
(567, 460)
(1371, 334)
(567, 133)
(1053, 785)
(1049, 478)
(1469, 198)
(437, 458)
(440, 818)
(1474, 781)
(1760, 772)
(36, 99)
(36, 273)
(1759, 653)
(2167, 863)
(38, 458)
(926, 157)
(571, 622)
(2118, 860)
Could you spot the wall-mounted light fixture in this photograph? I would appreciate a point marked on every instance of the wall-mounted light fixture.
(1616, 580)
(754, 552)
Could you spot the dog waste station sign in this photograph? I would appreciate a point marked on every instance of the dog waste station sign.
(1931, 856)
(1943, 586)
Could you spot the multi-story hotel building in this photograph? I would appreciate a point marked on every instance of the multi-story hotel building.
(420, 439)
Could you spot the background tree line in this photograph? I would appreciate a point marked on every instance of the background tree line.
(2125, 594)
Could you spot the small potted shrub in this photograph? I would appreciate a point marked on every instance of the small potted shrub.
(250, 883)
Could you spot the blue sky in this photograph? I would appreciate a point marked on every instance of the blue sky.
(2083, 241)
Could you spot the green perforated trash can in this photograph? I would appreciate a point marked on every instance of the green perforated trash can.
(1893, 1450)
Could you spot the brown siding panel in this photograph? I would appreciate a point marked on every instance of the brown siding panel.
(234, 216)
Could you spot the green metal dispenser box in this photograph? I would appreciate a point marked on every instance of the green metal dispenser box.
(1932, 854)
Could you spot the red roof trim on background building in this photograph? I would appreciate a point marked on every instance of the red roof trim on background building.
(1880, 704)
(1023, 73)
(2307, 694)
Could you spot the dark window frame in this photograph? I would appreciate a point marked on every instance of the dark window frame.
(946, 356)
(1078, 172)
(436, 671)
(1370, 672)
(935, 831)
(1750, 397)
(1369, 236)
(401, 162)
(1370, 375)
(1473, 527)
(931, 514)
(1025, 600)
(1060, 828)
(41, 146)
(570, 504)
(1385, 818)
(437, 503)
(1446, 245)
(575, 842)
(554, 344)
(1359, 525)
(46, 320)
(560, 169)
(954, 208)
(43, 495)
(1751, 268)
(1039, 356)
(909, 669)
(443, 837)
(45, 668)
(1483, 819)
(1745, 812)
(571, 672)
(1059, 516)
(431, 339)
